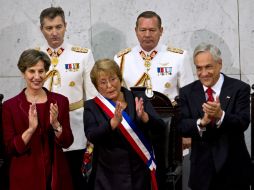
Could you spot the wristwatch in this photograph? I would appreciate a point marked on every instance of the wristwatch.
(58, 129)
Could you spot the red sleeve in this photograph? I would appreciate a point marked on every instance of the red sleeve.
(66, 138)
(13, 142)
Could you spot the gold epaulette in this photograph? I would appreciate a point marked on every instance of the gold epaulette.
(175, 50)
(123, 52)
(37, 48)
(79, 49)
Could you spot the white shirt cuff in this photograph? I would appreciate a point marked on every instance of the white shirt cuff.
(218, 123)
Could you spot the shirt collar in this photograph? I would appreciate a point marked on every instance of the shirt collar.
(217, 87)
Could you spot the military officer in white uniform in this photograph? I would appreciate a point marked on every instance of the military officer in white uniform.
(154, 65)
(168, 71)
(69, 75)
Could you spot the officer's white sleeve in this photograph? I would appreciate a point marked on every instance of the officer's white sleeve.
(89, 89)
(185, 71)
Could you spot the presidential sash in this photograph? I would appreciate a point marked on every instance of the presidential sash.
(133, 135)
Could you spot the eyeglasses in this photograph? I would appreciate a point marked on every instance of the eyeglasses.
(104, 83)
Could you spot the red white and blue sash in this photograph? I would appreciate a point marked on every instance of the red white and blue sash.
(133, 135)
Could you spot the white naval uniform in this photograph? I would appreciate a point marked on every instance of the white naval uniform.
(168, 84)
(75, 85)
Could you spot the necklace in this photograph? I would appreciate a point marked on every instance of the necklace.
(36, 98)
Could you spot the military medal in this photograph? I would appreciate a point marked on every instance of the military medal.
(147, 62)
(147, 65)
(54, 55)
(149, 92)
(147, 81)
(164, 71)
(54, 75)
(57, 78)
(148, 84)
(54, 61)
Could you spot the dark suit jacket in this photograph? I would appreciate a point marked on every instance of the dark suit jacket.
(26, 161)
(115, 163)
(220, 152)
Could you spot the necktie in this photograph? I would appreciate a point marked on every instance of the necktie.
(210, 98)
(209, 92)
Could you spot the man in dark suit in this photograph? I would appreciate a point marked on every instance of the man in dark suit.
(215, 112)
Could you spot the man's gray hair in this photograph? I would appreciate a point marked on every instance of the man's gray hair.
(212, 49)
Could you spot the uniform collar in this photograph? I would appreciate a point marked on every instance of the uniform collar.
(157, 48)
(64, 45)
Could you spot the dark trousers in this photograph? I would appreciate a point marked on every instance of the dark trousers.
(74, 159)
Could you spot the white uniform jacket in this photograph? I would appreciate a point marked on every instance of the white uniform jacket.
(170, 69)
(74, 66)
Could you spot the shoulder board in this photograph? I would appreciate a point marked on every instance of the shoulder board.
(175, 50)
(37, 48)
(79, 49)
(123, 52)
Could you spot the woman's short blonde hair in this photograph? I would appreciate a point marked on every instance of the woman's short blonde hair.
(108, 66)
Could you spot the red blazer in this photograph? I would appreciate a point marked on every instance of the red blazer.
(27, 162)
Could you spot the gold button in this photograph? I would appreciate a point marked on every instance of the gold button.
(167, 85)
(72, 83)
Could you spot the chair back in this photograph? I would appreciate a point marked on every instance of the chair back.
(168, 144)
(4, 166)
(1, 132)
(252, 134)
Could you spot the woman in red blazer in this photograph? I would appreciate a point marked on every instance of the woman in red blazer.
(36, 127)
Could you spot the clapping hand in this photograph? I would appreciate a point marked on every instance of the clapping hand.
(213, 109)
(53, 114)
(116, 120)
(33, 124)
(33, 117)
(140, 110)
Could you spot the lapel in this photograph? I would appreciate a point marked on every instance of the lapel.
(129, 98)
(51, 99)
(225, 94)
(198, 97)
(24, 105)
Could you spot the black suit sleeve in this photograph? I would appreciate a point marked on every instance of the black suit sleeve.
(188, 122)
(96, 124)
(237, 115)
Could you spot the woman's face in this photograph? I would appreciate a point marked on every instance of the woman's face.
(109, 85)
(35, 75)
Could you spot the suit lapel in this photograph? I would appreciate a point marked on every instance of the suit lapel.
(51, 99)
(129, 98)
(225, 94)
(198, 97)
